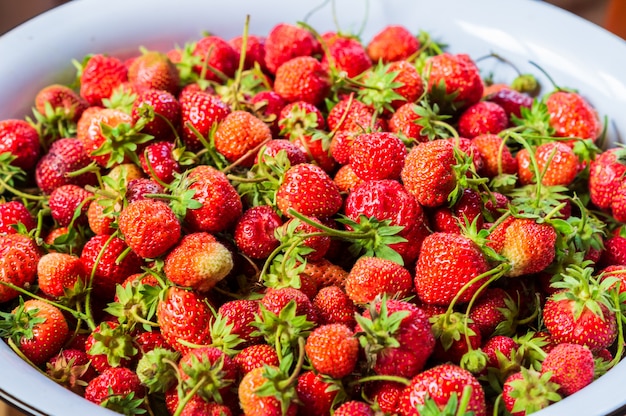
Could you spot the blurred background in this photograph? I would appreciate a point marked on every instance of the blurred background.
(610, 14)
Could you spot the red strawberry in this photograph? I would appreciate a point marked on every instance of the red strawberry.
(184, 315)
(439, 383)
(373, 276)
(200, 111)
(100, 76)
(354, 408)
(325, 273)
(605, 176)
(377, 156)
(455, 75)
(216, 58)
(65, 200)
(491, 309)
(66, 155)
(255, 50)
(71, 368)
(512, 101)
(295, 154)
(238, 135)
(556, 161)
(496, 348)
(346, 180)
(411, 86)
(255, 356)
(446, 264)
(150, 227)
(572, 367)
(221, 205)
(63, 100)
(254, 404)
(405, 121)
(332, 350)
(154, 70)
(13, 213)
(19, 255)
(161, 109)
(268, 105)
(345, 54)
(136, 189)
(316, 393)
(100, 257)
(496, 155)
(275, 300)
(254, 232)
(350, 114)
(158, 161)
(114, 383)
(99, 222)
(240, 313)
(392, 43)
(198, 261)
(571, 115)
(302, 79)
(482, 118)
(58, 272)
(21, 140)
(308, 189)
(37, 328)
(110, 345)
(285, 42)
(385, 394)
(208, 370)
(333, 305)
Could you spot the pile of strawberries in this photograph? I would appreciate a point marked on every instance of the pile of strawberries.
(305, 223)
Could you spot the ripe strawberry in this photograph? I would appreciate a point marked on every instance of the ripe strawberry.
(285, 42)
(345, 55)
(66, 155)
(64, 102)
(528, 391)
(350, 114)
(392, 43)
(556, 161)
(405, 121)
(571, 115)
(316, 393)
(157, 161)
(346, 180)
(38, 328)
(154, 70)
(100, 76)
(216, 59)
(428, 172)
(439, 383)
(221, 205)
(275, 300)
(377, 156)
(482, 118)
(302, 79)
(138, 188)
(100, 257)
(114, 387)
(255, 356)
(332, 350)
(150, 227)
(238, 135)
(511, 100)
(496, 155)
(200, 111)
(13, 213)
(496, 348)
(198, 261)
(308, 189)
(254, 404)
(411, 86)
(374, 276)
(254, 232)
(99, 222)
(446, 264)
(332, 305)
(318, 244)
(493, 308)
(65, 200)
(268, 105)
(295, 154)
(207, 370)
(325, 273)
(453, 344)
(605, 177)
(162, 110)
(255, 50)
(20, 140)
(354, 408)
(455, 76)
(19, 255)
(183, 315)
(398, 337)
(572, 367)
(58, 272)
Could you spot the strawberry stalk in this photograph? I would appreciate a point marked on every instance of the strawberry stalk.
(185, 399)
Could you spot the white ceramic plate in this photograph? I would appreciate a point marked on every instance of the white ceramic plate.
(573, 51)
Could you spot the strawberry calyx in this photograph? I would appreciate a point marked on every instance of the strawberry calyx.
(53, 123)
(20, 324)
(180, 197)
(121, 142)
(133, 305)
(115, 342)
(378, 88)
(222, 337)
(453, 407)
(125, 404)
(206, 378)
(122, 99)
(533, 391)
(66, 372)
(433, 121)
(157, 369)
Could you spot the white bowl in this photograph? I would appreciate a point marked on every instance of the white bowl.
(575, 52)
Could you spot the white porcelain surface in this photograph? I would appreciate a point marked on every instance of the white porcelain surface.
(576, 53)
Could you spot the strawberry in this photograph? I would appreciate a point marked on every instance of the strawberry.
(99, 222)
(467, 210)
(345, 55)
(37, 328)
(162, 110)
(410, 84)
(325, 273)
(571, 367)
(302, 79)
(150, 227)
(216, 59)
(317, 245)
(385, 394)
(183, 315)
(295, 154)
(285, 42)
(354, 408)
(138, 188)
(454, 78)
(208, 371)
(492, 311)
(255, 231)
(455, 340)
(377, 156)
(21, 141)
(392, 43)
(57, 109)
(428, 172)
(199, 112)
(556, 161)
(405, 121)
(499, 350)
(100, 76)
(396, 336)
(482, 118)
(238, 135)
(333, 305)
(268, 105)
(158, 161)
(65, 200)
(496, 155)
(154, 70)
(316, 393)
(100, 258)
(275, 300)
(71, 369)
(571, 115)
(446, 264)
(511, 100)
(309, 190)
(198, 261)
(351, 114)
(439, 384)
(255, 356)
(528, 391)
(345, 179)
(254, 404)
(66, 155)
(332, 350)
(58, 272)
(255, 50)
(221, 206)
(117, 388)
(605, 177)
(373, 276)
(14, 213)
